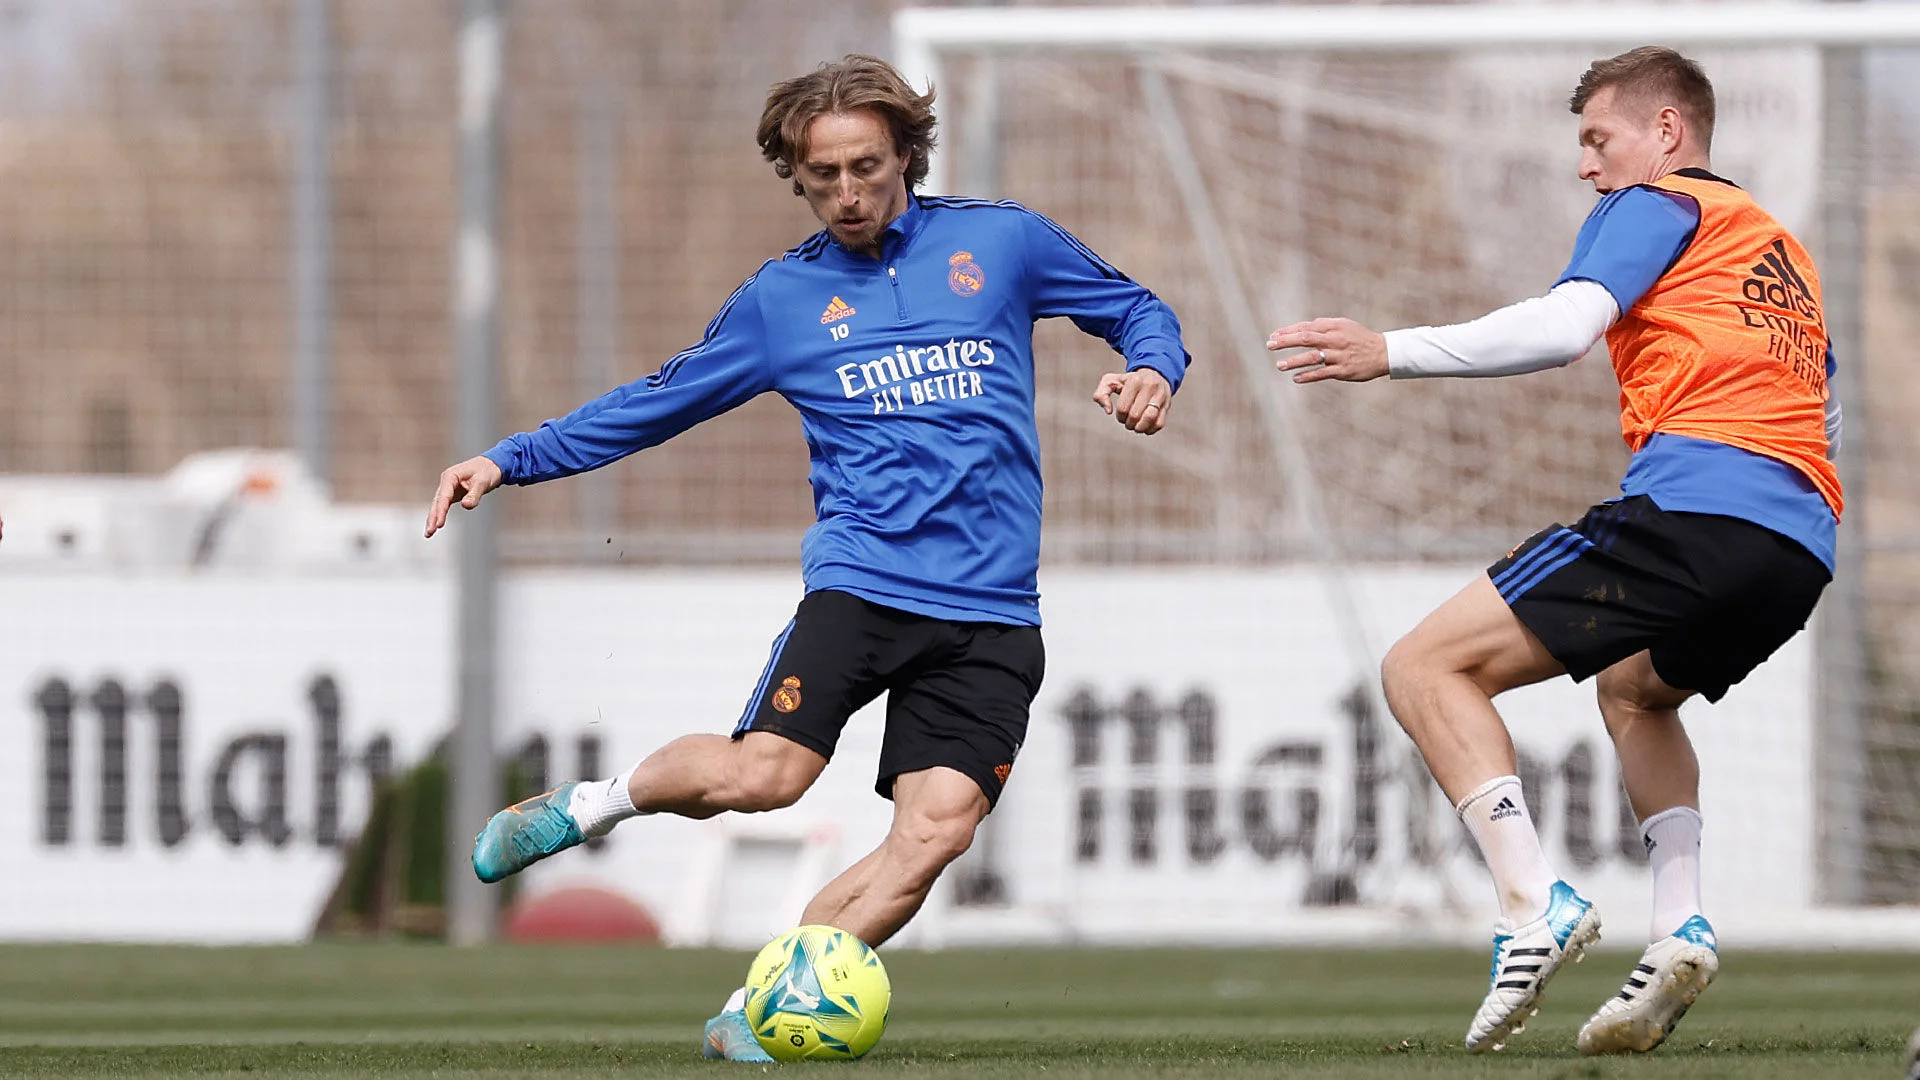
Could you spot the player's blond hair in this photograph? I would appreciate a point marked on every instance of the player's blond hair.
(1653, 76)
(856, 82)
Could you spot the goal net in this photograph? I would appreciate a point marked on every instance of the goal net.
(1259, 166)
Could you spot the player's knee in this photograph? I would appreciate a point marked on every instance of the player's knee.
(1633, 687)
(926, 845)
(755, 798)
(769, 781)
(1405, 668)
(1613, 687)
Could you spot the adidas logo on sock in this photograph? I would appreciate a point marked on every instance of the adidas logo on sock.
(1504, 809)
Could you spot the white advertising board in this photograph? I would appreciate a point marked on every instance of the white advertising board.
(193, 751)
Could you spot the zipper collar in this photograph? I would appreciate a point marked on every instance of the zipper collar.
(893, 239)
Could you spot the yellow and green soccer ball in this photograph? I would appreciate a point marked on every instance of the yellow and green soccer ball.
(817, 992)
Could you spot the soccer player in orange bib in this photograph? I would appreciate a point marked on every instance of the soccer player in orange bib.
(1713, 556)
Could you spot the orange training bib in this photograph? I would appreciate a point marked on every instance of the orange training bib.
(1729, 344)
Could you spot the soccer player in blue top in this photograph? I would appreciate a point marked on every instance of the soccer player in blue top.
(1712, 558)
(903, 333)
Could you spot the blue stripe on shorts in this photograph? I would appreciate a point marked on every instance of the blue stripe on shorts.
(753, 703)
(1561, 547)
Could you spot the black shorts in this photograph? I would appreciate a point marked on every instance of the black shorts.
(1709, 596)
(957, 692)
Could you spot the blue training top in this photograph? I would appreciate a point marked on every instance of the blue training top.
(1631, 238)
(913, 375)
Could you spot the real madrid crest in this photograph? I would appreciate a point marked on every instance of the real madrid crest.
(786, 697)
(964, 276)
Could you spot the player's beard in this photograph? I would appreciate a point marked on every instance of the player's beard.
(857, 239)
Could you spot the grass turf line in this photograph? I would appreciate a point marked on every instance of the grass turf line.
(410, 1010)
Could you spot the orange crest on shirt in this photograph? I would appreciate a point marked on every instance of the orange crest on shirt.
(964, 276)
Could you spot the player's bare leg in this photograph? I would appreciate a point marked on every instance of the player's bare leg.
(1441, 678)
(935, 813)
(1642, 712)
(1440, 681)
(1662, 778)
(698, 776)
(694, 776)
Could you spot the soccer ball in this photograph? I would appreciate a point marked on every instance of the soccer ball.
(817, 992)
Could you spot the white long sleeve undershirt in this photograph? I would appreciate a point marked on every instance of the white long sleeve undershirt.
(1535, 334)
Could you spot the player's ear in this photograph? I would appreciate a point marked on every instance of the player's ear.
(1672, 127)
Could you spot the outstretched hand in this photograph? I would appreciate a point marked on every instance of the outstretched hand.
(1139, 399)
(465, 483)
(1335, 349)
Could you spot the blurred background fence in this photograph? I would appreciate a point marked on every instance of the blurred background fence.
(200, 251)
(152, 155)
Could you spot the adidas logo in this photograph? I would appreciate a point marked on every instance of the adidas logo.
(1775, 264)
(836, 310)
(1504, 809)
(1776, 283)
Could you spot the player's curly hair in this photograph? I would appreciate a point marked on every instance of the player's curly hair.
(856, 82)
(1657, 76)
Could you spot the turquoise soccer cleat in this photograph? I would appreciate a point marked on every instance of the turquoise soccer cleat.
(525, 833)
(1524, 958)
(1664, 985)
(728, 1038)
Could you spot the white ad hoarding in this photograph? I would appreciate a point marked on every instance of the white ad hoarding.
(192, 753)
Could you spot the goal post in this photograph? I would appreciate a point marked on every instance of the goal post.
(1258, 165)
(923, 37)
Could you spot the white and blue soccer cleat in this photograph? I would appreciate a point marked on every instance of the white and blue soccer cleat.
(525, 833)
(1664, 985)
(730, 1039)
(1524, 958)
(1913, 1056)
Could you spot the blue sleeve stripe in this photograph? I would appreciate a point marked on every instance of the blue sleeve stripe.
(672, 367)
(1107, 269)
(809, 249)
(961, 202)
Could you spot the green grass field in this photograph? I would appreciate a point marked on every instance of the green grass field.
(426, 1011)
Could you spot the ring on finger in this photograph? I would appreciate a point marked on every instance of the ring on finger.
(1151, 405)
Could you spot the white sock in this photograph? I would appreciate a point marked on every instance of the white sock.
(737, 1001)
(1496, 815)
(600, 805)
(1673, 848)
